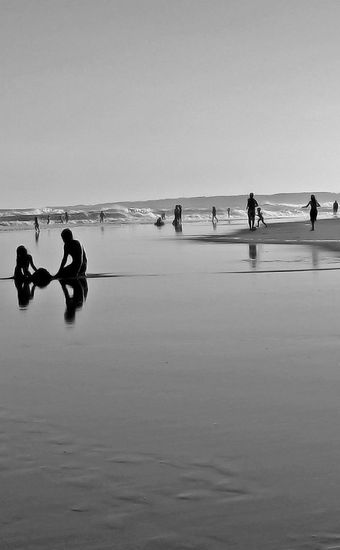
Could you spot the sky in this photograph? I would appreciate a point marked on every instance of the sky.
(112, 100)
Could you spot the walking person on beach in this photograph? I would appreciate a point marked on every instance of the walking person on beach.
(36, 225)
(213, 215)
(314, 205)
(73, 248)
(251, 205)
(101, 216)
(260, 217)
(335, 207)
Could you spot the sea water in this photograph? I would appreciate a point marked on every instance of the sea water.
(191, 402)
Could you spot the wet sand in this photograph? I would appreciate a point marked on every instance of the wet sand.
(326, 233)
(183, 408)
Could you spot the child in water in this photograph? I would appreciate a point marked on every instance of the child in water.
(260, 218)
(24, 261)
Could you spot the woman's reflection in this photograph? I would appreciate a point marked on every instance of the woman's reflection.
(74, 300)
(25, 293)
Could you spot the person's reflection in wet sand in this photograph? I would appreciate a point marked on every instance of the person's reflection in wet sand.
(315, 257)
(25, 293)
(253, 255)
(37, 235)
(26, 286)
(75, 300)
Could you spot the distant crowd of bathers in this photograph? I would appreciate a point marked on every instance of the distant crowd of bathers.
(74, 250)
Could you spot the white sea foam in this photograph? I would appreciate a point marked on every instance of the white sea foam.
(195, 210)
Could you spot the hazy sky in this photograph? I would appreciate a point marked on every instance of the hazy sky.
(109, 100)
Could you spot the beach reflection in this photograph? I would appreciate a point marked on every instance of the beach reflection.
(253, 255)
(25, 293)
(315, 257)
(75, 292)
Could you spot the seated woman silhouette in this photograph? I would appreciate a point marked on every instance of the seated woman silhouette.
(40, 276)
(23, 263)
(72, 248)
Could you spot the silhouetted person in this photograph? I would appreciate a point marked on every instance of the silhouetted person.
(48, 219)
(36, 225)
(159, 222)
(260, 217)
(75, 300)
(313, 214)
(213, 215)
(163, 216)
(177, 215)
(335, 207)
(66, 217)
(251, 205)
(23, 263)
(72, 248)
(228, 212)
(101, 216)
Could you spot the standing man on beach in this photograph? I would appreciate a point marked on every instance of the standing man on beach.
(73, 248)
(251, 206)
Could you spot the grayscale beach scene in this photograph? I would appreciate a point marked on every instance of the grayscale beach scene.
(170, 246)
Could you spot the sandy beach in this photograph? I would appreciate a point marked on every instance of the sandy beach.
(326, 233)
(193, 402)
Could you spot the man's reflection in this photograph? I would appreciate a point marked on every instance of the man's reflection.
(253, 254)
(75, 292)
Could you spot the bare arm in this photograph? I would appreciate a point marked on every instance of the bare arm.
(32, 264)
(306, 205)
(63, 263)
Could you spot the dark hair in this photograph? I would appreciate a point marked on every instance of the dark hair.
(21, 251)
(66, 235)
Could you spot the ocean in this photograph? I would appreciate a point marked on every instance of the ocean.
(195, 210)
(174, 404)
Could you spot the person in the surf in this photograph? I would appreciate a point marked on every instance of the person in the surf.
(335, 207)
(260, 217)
(213, 215)
(177, 215)
(251, 205)
(72, 248)
(36, 225)
(23, 263)
(314, 205)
